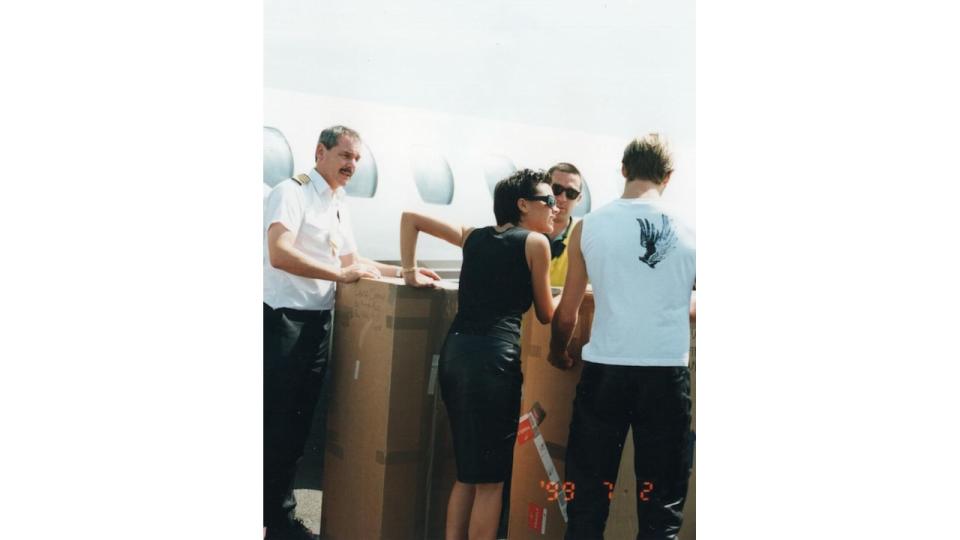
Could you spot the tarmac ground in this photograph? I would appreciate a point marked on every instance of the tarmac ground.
(308, 484)
(309, 503)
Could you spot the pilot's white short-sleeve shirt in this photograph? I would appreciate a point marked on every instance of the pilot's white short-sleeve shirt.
(321, 222)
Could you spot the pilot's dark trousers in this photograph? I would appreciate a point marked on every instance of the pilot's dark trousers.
(296, 346)
(656, 402)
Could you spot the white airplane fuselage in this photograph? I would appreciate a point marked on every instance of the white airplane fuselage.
(471, 148)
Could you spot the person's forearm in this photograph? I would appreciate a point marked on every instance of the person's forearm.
(562, 331)
(297, 263)
(389, 270)
(408, 241)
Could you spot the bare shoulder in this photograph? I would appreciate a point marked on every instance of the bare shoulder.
(537, 241)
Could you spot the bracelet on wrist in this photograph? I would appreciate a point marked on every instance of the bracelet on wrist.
(408, 270)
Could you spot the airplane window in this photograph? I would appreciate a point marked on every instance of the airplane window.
(363, 183)
(432, 174)
(277, 157)
(583, 208)
(496, 168)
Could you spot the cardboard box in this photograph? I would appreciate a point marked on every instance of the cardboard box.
(536, 508)
(443, 474)
(535, 512)
(405, 495)
(380, 421)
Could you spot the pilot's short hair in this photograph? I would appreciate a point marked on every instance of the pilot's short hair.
(647, 158)
(511, 189)
(564, 167)
(330, 137)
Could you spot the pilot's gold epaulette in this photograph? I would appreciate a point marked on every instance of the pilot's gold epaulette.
(301, 179)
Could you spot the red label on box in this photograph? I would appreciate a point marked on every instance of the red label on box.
(535, 517)
(525, 430)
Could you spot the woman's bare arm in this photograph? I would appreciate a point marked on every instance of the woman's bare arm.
(411, 223)
(538, 258)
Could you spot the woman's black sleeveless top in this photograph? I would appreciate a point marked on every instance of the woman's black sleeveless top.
(495, 286)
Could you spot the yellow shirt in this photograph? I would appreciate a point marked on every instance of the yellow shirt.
(558, 266)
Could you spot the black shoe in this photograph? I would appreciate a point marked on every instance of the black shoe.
(292, 530)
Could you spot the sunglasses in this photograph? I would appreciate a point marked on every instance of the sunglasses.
(549, 199)
(558, 189)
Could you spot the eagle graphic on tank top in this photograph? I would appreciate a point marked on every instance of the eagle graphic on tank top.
(656, 243)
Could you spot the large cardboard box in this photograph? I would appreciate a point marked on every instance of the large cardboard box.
(380, 421)
(405, 495)
(444, 474)
(536, 506)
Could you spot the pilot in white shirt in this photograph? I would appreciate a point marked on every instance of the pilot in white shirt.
(309, 248)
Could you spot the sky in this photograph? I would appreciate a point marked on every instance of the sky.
(618, 68)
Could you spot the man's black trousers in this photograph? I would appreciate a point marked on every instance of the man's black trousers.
(656, 402)
(296, 346)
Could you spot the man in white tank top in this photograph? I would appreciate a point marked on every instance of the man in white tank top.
(641, 260)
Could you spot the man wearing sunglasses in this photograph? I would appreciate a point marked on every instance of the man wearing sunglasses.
(567, 185)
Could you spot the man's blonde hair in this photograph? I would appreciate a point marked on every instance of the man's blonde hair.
(647, 158)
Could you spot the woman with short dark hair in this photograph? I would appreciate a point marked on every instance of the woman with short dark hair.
(505, 270)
